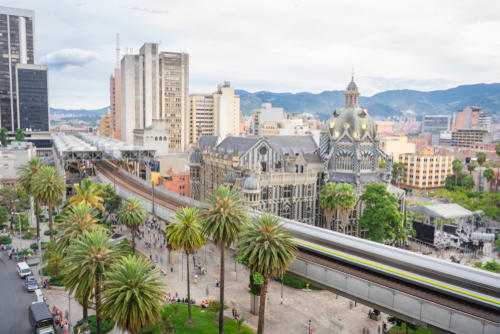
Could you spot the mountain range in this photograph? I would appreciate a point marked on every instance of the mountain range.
(380, 105)
(384, 104)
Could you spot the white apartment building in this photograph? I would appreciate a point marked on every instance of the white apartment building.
(216, 114)
(153, 137)
(154, 86)
(12, 157)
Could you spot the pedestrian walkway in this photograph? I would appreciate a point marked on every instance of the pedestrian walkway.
(328, 313)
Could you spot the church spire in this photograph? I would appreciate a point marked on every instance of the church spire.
(352, 94)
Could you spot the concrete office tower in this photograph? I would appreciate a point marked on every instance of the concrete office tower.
(115, 109)
(266, 113)
(131, 111)
(174, 87)
(201, 117)
(33, 98)
(228, 114)
(16, 47)
(154, 86)
(216, 114)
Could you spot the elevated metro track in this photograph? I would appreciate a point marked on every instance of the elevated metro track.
(464, 289)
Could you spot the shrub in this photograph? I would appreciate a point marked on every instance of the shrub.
(56, 281)
(296, 283)
(256, 280)
(5, 240)
(34, 245)
(214, 306)
(47, 233)
(107, 325)
(28, 236)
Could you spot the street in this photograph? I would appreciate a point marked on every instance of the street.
(14, 299)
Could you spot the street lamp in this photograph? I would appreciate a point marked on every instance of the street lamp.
(309, 331)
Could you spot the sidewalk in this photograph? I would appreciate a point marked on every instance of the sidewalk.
(327, 313)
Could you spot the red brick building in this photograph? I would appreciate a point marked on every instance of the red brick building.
(177, 182)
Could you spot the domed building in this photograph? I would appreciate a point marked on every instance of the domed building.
(349, 147)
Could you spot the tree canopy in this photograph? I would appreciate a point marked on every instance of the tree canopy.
(381, 215)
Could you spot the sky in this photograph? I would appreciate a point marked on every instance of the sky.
(279, 46)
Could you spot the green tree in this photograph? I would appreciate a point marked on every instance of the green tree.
(14, 199)
(471, 166)
(49, 187)
(132, 214)
(340, 199)
(19, 134)
(53, 258)
(223, 220)
(381, 215)
(27, 173)
(489, 175)
(3, 136)
(88, 193)
(185, 233)
(88, 259)
(457, 167)
(77, 220)
(270, 250)
(111, 201)
(481, 159)
(132, 294)
(397, 173)
(382, 164)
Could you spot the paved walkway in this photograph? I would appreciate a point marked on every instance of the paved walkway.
(328, 313)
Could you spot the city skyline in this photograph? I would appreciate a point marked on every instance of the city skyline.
(312, 48)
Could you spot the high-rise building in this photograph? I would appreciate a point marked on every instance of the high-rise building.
(33, 98)
(174, 87)
(266, 113)
(469, 137)
(104, 126)
(216, 114)
(16, 47)
(436, 123)
(115, 104)
(425, 170)
(472, 118)
(154, 86)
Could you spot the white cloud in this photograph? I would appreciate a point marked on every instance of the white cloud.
(65, 58)
(282, 45)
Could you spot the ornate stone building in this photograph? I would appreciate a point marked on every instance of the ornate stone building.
(350, 149)
(282, 175)
(277, 174)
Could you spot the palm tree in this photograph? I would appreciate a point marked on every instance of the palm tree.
(49, 187)
(340, 198)
(489, 174)
(27, 173)
(471, 166)
(223, 219)
(132, 294)
(75, 221)
(481, 159)
(270, 250)
(132, 214)
(185, 234)
(88, 259)
(88, 193)
(457, 167)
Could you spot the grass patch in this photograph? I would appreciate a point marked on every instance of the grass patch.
(402, 330)
(47, 232)
(296, 283)
(5, 240)
(107, 325)
(204, 322)
(28, 236)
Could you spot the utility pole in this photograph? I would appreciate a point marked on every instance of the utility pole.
(69, 313)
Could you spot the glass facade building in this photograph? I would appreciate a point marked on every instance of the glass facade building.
(32, 101)
(16, 47)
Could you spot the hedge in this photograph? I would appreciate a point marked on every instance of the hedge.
(107, 325)
(296, 283)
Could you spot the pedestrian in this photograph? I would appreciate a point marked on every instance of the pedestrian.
(151, 257)
(171, 268)
(156, 258)
(234, 312)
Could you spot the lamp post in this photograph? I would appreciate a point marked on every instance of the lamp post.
(309, 330)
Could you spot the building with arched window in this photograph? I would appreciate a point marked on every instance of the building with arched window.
(350, 149)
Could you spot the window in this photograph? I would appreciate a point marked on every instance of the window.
(366, 161)
(343, 162)
(264, 194)
(277, 165)
(287, 191)
(263, 166)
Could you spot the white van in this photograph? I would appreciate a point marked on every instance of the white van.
(38, 297)
(23, 269)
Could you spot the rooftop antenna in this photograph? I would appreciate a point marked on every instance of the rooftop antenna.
(117, 50)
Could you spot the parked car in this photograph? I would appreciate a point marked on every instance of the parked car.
(31, 284)
(23, 269)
